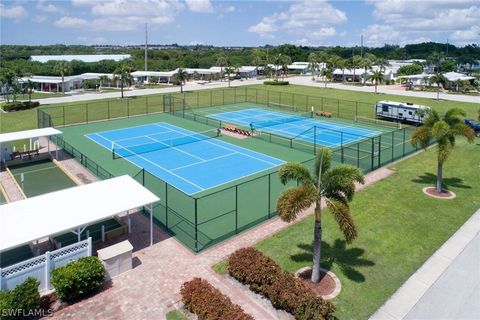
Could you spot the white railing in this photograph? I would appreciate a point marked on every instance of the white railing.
(41, 267)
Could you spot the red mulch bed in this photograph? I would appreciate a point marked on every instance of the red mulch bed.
(433, 192)
(324, 287)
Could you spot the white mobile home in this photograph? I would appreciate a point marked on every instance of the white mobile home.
(400, 111)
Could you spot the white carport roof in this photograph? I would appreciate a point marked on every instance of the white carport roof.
(28, 134)
(52, 213)
(153, 73)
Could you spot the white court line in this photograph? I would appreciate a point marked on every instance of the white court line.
(193, 164)
(36, 170)
(172, 147)
(156, 165)
(126, 128)
(233, 150)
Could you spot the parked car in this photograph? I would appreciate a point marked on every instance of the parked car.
(475, 125)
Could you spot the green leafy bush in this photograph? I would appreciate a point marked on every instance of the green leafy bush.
(263, 275)
(207, 302)
(20, 302)
(18, 106)
(78, 279)
(276, 83)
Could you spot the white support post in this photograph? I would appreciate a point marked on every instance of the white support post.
(79, 234)
(48, 145)
(47, 270)
(56, 147)
(103, 233)
(88, 233)
(129, 223)
(89, 246)
(151, 224)
(1, 280)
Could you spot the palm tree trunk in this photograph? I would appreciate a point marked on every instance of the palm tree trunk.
(63, 84)
(121, 87)
(438, 92)
(439, 177)
(376, 86)
(317, 243)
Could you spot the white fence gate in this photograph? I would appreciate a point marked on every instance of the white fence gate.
(41, 267)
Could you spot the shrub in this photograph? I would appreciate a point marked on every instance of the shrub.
(275, 83)
(24, 297)
(263, 275)
(18, 105)
(78, 279)
(207, 302)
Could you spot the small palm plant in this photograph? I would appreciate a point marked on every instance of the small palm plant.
(444, 129)
(228, 71)
(313, 63)
(63, 68)
(376, 77)
(222, 61)
(335, 186)
(327, 75)
(182, 77)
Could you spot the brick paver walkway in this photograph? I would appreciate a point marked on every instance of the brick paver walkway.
(10, 187)
(152, 287)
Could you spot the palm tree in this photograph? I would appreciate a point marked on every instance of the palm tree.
(122, 73)
(182, 77)
(284, 62)
(355, 62)
(228, 71)
(377, 77)
(8, 80)
(440, 80)
(313, 62)
(221, 62)
(336, 186)
(268, 71)
(29, 85)
(342, 64)
(63, 68)
(366, 62)
(327, 75)
(444, 129)
(103, 78)
(382, 63)
(257, 62)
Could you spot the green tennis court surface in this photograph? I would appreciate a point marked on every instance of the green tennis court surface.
(41, 177)
(2, 198)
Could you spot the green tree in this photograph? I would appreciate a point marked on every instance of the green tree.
(103, 78)
(342, 64)
(440, 80)
(448, 66)
(63, 68)
(382, 63)
(222, 61)
(257, 62)
(123, 74)
(376, 77)
(444, 129)
(327, 75)
(366, 63)
(182, 77)
(228, 71)
(335, 186)
(410, 69)
(29, 86)
(8, 80)
(312, 63)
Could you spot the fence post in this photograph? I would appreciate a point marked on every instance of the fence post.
(256, 96)
(223, 96)
(146, 103)
(404, 142)
(268, 97)
(269, 194)
(321, 104)
(315, 140)
(128, 108)
(166, 205)
(47, 270)
(196, 227)
(373, 153)
(358, 155)
(108, 109)
(341, 146)
(235, 95)
(379, 150)
(356, 110)
(338, 108)
(86, 112)
(198, 99)
(393, 144)
(63, 115)
(236, 209)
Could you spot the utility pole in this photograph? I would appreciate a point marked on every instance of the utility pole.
(146, 47)
(361, 50)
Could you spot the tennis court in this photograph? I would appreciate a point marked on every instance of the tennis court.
(41, 177)
(297, 126)
(190, 161)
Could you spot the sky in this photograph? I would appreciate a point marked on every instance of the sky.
(239, 23)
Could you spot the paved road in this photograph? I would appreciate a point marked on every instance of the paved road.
(305, 81)
(456, 294)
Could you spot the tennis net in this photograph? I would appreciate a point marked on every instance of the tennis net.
(121, 151)
(297, 117)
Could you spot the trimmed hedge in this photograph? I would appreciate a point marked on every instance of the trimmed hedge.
(78, 279)
(18, 106)
(24, 297)
(207, 302)
(276, 83)
(264, 276)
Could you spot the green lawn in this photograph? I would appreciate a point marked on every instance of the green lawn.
(399, 228)
(175, 315)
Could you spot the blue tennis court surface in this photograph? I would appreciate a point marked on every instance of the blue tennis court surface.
(190, 161)
(326, 133)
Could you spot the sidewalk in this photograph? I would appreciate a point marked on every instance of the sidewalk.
(446, 286)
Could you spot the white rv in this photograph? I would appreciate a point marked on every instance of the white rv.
(401, 111)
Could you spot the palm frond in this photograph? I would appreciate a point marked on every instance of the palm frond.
(342, 179)
(432, 116)
(295, 172)
(341, 213)
(323, 161)
(454, 116)
(292, 201)
(462, 129)
(440, 130)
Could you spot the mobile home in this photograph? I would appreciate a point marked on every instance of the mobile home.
(401, 111)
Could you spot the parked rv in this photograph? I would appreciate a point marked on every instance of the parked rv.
(401, 111)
